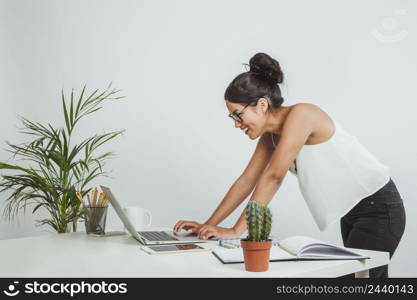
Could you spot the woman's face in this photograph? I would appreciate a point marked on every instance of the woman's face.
(253, 117)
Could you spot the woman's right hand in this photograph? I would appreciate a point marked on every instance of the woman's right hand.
(190, 226)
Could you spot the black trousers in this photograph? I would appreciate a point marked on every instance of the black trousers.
(377, 222)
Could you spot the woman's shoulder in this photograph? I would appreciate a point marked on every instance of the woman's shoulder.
(303, 113)
(323, 125)
(305, 106)
(311, 110)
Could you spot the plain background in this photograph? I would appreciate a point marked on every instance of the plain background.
(173, 60)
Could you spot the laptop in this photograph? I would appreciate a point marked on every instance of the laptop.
(149, 237)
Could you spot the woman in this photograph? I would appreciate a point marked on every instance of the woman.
(339, 179)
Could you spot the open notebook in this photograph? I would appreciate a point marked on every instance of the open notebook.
(293, 248)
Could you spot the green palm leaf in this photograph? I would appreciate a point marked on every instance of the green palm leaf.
(55, 167)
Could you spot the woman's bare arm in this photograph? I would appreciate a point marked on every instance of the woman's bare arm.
(240, 189)
(298, 127)
(245, 184)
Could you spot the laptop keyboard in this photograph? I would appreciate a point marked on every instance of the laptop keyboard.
(157, 236)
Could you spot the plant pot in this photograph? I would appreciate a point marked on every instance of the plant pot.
(256, 255)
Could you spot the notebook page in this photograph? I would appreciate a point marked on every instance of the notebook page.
(333, 252)
(297, 243)
(236, 254)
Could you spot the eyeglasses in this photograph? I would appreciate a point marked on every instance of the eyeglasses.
(236, 115)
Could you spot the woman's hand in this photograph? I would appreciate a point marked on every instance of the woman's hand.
(205, 231)
(208, 231)
(190, 226)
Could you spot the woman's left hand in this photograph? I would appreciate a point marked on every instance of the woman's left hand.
(208, 231)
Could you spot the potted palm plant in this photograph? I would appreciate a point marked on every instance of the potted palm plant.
(53, 168)
(256, 247)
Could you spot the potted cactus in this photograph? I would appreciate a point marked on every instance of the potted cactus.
(257, 245)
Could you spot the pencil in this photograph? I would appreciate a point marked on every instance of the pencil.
(79, 196)
(288, 250)
(106, 201)
(101, 200)
(95, 191)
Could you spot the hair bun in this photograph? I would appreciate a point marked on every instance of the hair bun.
(267, 67)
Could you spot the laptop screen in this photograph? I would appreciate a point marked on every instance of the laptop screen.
(120, 212)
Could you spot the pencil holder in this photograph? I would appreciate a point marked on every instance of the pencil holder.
(95, 219)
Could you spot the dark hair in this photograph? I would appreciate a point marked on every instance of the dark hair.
(261, 80)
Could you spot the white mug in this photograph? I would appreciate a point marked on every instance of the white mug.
(137, 216)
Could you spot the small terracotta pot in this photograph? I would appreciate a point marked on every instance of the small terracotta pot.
(256, 255)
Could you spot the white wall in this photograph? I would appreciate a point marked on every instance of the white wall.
(173, 60)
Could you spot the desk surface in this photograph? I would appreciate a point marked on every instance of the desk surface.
(79, 255)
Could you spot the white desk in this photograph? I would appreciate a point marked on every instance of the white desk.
(79, 255)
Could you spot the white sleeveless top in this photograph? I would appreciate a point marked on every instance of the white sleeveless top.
(335, 175)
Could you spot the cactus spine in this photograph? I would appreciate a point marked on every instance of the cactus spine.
(258, 222)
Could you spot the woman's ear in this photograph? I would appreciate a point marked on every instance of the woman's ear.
(263, 104)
